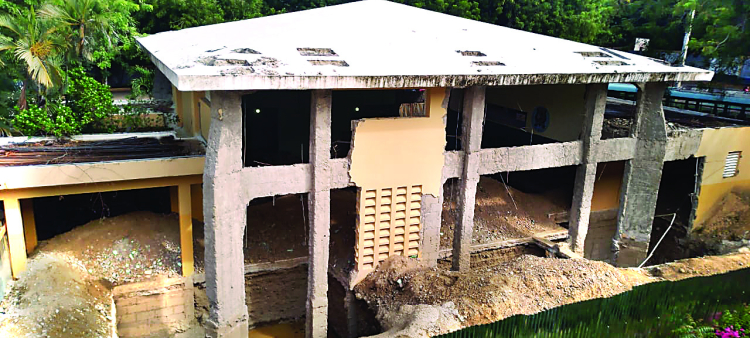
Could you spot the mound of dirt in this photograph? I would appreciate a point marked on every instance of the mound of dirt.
(501, 213)
(403, 293)
(731, 220)
(129, 248)
(525, 285)
(54, 299)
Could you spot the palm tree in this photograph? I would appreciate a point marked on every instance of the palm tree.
(89, 24)
(36, 44)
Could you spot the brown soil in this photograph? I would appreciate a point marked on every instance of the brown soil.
(129, 248)
(731, 220)
(499, 215)
(55, 299)
(525, 285)
(277, 229)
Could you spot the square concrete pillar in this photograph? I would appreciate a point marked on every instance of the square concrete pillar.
(473, 125)
(591, 134)
(640, 184)
(320, 215)
(225, 215)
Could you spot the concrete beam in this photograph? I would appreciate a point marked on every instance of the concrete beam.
(640, 184)
(320, 215)
(473, 125)
(276, 180)
(532, 157)
(596, 100)
(225, 215)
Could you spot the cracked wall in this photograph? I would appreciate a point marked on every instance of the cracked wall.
(394, 162)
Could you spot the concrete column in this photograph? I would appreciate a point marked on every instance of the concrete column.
(320, 215)
(29, 224)
(640, 184)
(432, 208)
(225, 215)
(186, 229)
(473, 124)
(16, 240)
(580, 211)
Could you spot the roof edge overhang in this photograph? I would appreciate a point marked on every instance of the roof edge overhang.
(186, 82)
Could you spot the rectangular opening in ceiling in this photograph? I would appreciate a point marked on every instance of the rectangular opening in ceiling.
(487, 63)
(730, 164)
(611, 63)
(594, 54)
(337, 63)
(245, 51)
(471, 53)
(276, 128)
(316, 52)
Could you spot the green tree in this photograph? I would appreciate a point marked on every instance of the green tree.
(34, 43)
(96, 29)
(720, 29)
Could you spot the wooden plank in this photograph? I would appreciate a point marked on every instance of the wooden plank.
(186, 229)
(549, 235)
(16, 240)
(29, 224)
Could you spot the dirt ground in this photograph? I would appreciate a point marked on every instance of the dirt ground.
(129, 248)
(56, 299)
(402, 291)
(277, 229)
(500, 213)
(730, 221)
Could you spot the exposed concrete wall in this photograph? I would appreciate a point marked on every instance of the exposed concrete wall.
(640, 184)
(320, 215)
(583, 191)
(225, 219)
(473, 124)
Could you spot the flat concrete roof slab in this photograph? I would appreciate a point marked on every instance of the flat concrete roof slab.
(380, 44)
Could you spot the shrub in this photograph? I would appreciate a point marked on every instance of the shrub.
(90, 101)
(53, 120)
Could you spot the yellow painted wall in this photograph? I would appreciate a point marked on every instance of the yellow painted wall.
(204, 111)
(565, 104)
(715, 145)
(395, 161)
(607, 186)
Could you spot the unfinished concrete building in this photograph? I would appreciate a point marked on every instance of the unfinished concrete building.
(393, 102)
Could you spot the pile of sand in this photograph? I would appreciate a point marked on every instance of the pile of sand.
(55, 299)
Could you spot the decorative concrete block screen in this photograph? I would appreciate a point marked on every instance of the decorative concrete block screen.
(389, 224)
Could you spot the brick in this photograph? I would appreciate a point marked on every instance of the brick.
(126, 318)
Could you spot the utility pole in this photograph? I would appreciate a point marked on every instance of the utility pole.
(685, 40)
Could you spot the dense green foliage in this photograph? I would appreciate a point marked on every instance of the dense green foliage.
(41, 39)
(90, 101)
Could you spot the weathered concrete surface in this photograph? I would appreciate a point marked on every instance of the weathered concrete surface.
(683, 144)
(583, 191)
(276, 64)
(533, 157)
(473, 125)
(225, 216)
(320, 215)
(640, 185)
